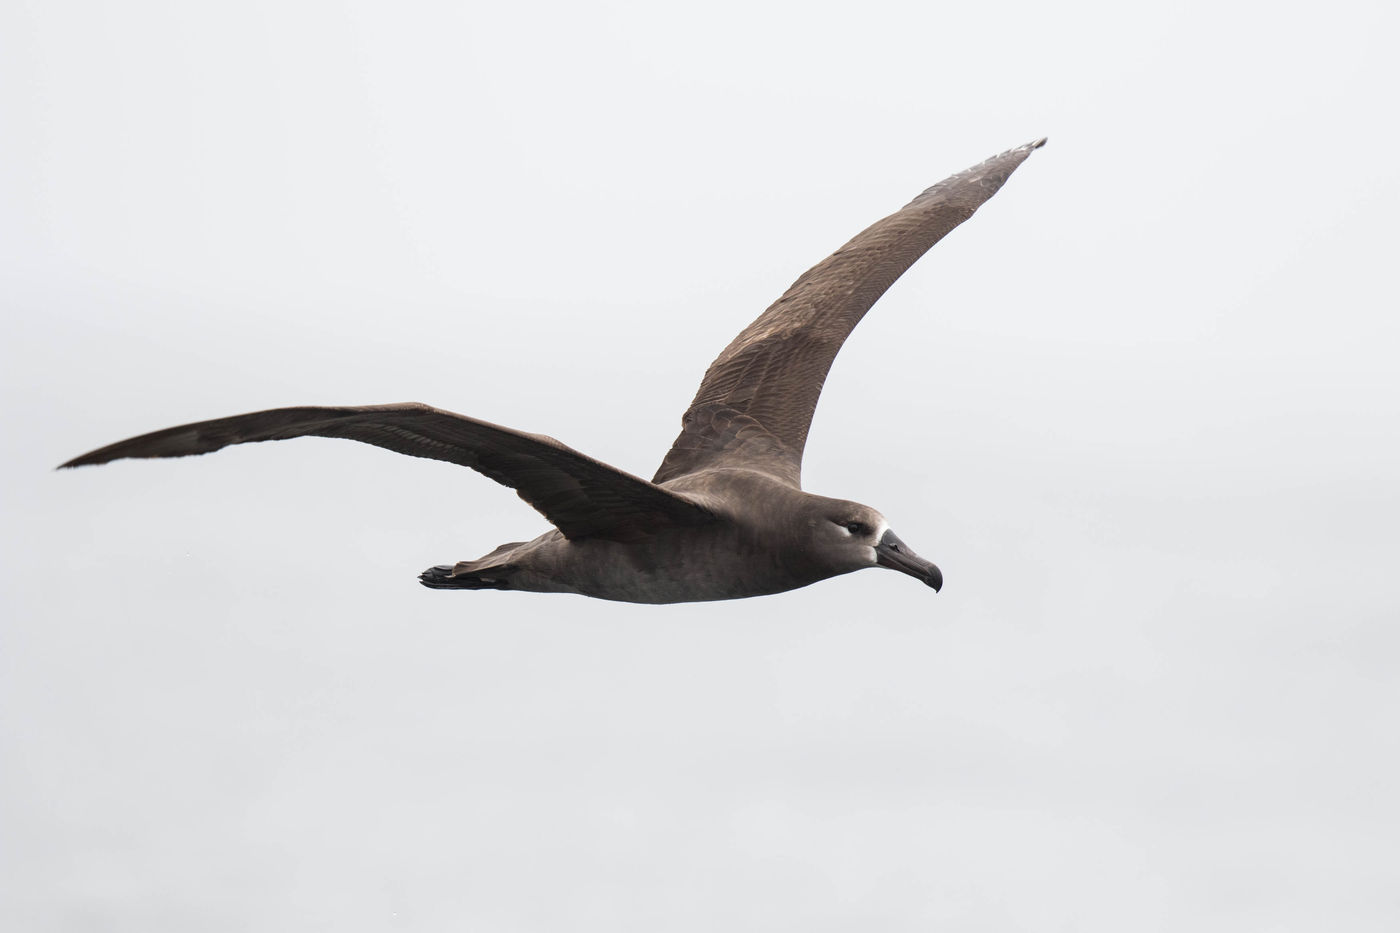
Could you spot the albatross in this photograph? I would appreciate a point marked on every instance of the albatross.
(725, 516)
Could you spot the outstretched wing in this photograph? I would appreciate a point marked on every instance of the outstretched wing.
(581, 496)
(755, 404)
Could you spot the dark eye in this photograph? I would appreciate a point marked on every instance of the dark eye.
(857, 528)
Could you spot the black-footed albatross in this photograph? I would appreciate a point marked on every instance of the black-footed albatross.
(725, 516)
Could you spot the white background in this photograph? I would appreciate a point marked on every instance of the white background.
(1142, 410)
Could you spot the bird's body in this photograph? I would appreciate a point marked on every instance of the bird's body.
(725, 517)
(765, 546)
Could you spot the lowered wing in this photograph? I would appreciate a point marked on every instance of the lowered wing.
(581, 496)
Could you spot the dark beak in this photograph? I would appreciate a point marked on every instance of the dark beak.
(895, 554)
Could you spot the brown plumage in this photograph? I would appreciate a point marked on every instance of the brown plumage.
(769, 377)
(580, 496)
(725, 516)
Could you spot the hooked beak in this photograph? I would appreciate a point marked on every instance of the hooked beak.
(895, 554)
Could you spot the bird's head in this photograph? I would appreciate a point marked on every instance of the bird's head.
(849, 536)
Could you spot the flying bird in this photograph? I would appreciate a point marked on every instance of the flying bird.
(725, 516)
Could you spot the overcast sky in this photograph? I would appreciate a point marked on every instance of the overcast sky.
(1142, 410)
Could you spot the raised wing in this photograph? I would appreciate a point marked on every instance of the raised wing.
(581, 496)
(755, 404)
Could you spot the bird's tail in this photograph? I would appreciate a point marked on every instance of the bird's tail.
(444, 577)
(486, 573)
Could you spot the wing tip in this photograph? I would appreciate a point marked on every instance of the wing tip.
(1037, 143)
(82, 461)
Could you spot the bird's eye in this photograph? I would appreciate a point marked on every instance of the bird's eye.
(856, 528)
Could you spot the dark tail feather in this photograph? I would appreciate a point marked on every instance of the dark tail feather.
(442, 578)
(492, 572)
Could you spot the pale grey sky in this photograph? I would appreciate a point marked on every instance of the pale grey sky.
(1141, 410)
